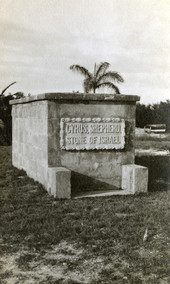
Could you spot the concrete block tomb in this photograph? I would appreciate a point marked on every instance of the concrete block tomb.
(77, 142)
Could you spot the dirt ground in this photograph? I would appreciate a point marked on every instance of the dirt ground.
(103, 240)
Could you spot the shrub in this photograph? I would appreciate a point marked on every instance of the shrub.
(6, 118)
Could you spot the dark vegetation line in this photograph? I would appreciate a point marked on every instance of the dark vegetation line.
(153, 114)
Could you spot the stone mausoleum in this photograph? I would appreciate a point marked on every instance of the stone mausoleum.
(73, 143)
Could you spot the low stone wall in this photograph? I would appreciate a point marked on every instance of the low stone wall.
(44, 137)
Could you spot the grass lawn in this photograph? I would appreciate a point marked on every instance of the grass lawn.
(120, 239)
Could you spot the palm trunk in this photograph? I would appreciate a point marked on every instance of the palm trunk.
(95, 69)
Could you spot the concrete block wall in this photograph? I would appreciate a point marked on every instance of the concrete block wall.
(30, 139)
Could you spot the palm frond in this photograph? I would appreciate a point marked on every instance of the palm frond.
(3, 91)
(101, 77)
(110, 85)
(102, 69)
(111, 75)
(82, 70)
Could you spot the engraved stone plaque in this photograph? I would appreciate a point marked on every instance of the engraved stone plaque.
(92, 133)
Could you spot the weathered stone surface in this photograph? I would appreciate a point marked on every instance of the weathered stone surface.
(79, 133)
(59, 182)
(134, 178)
(30, 137)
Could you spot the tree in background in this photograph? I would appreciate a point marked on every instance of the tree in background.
(5, 115)
(153, 114)
(100, 77)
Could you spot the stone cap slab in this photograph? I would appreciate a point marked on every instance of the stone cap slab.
(77, 98)
(134, 166)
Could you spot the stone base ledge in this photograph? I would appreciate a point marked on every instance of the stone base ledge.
(134, 179)
(103, 194)
(59, 182)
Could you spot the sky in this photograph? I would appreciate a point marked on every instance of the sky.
(40, 39)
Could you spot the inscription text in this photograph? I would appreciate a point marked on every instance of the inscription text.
(92, 133)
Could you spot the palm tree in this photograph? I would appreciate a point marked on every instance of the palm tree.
(101, 77)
